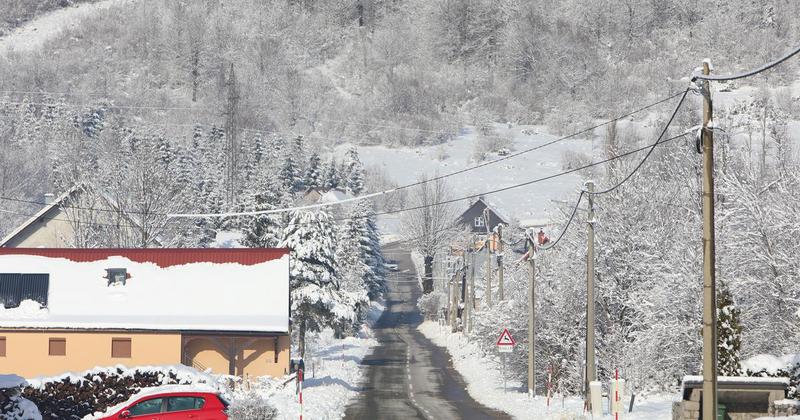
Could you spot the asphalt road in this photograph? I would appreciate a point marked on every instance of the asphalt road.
(408, 377)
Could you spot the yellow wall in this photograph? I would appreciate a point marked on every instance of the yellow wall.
(27, 351)
(255, 358)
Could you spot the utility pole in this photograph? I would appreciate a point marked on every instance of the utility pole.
(532, 318)
(709, 263)
(500, 280)
(468, 275)
(591, 373)
(489, 253)
(470, 301)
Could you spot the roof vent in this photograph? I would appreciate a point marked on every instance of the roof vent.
(117, 276)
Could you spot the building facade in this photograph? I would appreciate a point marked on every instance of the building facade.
(74, 309)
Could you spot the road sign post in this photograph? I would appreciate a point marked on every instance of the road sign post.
(505, 344)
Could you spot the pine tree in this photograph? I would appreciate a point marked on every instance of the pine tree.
(331, 178)
(316, 296)
(313, 176)
(729, 334)
(354, 172)
(264, 230)
(290, 174)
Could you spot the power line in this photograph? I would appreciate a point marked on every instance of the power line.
(649, 152)
(388, 212)
(425, 181)
(753, 72)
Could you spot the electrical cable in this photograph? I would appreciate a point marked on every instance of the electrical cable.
(424, 181)
(753, 72)
(649, 152)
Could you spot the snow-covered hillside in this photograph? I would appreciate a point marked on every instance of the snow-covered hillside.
(406, 165)
(33, 34)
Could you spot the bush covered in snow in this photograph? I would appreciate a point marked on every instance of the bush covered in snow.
(773, 367)
(77, 395)
(251, 406)
(431, 305)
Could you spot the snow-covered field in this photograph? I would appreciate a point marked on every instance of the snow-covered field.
(485, 384)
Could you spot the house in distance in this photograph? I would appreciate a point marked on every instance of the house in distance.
(474, 218)
(73, 309)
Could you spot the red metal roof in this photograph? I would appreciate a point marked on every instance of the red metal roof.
(163, 257)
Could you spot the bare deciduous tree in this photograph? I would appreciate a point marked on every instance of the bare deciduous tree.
(430, 227)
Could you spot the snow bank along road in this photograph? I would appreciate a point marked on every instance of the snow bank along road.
(407, 376)
(33, 34)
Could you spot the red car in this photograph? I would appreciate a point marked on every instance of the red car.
(173, 405)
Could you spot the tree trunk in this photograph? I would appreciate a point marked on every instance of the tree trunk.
(427, 282)
(301, 338)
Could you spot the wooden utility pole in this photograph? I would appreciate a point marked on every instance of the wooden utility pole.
(709, 264)
(489, 253)
(532, 318)
(591, 373)
(470, 301)
(466, 290)
(500, 281)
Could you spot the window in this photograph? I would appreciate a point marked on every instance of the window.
(147, 407)
(2, 347)
(58, 347)
(479, 222)
(117, 276)
(121, 347)
(184, 403)
(16, 287)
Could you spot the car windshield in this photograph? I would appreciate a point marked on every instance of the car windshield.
(147, 407)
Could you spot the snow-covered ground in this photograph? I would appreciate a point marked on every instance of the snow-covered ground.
(485, 384)
(35, 33)
(333, 375)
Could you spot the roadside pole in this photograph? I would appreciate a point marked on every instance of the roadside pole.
(489, 253)
(531, 318)
(470, 297)
(591, 373)
(500, 281)
(709, 263)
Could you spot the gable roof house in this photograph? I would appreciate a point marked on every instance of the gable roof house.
(73, 309)
(69, 220)
(473, 218)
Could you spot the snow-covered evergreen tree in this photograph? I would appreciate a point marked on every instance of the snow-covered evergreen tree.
(313, 175)
(729, 334)
(353, 172)
(318, 301)
(331, 175)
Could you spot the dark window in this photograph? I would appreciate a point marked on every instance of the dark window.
(2, 347)
(116, 276)
(184, 403)
(121, 347)
(16, 287)
(147, 407)
(58, 347)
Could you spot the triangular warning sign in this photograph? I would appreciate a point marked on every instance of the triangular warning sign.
(506, 339)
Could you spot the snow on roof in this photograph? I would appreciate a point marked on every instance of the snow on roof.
(698, 379)
(11, 381)
(334, 196)
(172, 290)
